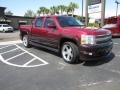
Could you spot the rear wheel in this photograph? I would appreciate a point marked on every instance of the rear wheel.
(70, 52)
(26, 41)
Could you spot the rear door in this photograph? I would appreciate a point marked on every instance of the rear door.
(38, 32)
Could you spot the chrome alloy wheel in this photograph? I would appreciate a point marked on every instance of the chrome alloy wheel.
(25, 41)
(67, 52)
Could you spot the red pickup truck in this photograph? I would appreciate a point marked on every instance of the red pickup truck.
(113, 24)
(67, 35)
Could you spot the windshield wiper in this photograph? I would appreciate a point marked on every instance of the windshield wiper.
(74, 25)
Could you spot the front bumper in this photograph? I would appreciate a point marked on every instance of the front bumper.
(95, 52)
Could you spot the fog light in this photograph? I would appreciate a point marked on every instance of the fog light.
(90, 54)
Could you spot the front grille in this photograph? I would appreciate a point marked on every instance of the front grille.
(100, 39)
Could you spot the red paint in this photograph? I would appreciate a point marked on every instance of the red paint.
(115, 29)
(53, 37)
(66, 31)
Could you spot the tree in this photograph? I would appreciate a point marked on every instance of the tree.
(67, 10)
(39, 12)
(54, 10)
(47, 11)
(29, 13)
(62, 8)
(9, 13)
(42, 10)
(72, 6)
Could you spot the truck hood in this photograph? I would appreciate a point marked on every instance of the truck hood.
(87, 31)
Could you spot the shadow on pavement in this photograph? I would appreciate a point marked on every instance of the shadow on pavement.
(87, 63)
(100, 62)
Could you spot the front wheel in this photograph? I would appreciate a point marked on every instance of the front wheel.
(70, 52)
(26, 41)
(4, 31)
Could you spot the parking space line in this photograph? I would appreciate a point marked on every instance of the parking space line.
(32, 55)
(26, 64)
(116, 44)
(15, 56)
(9, 51)
(5, 46)
(29, 62)
(10, 42)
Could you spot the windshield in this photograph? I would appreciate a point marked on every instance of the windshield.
(6, 26)
(68, 21)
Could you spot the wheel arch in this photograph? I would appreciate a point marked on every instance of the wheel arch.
(65, 39)
(22, 33)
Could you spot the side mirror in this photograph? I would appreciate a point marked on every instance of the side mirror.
(51, 25)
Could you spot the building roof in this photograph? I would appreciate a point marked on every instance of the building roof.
(9, 16)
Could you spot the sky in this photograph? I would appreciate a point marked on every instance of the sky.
(19, 7)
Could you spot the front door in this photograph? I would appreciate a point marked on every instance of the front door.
(52, 35)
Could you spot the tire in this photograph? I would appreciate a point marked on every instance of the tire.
(4, 31)
(26, 41)
(70, 52)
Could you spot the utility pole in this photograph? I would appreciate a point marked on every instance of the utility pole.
(86, 13)
(117, 7)
(103, 12)
(82, 9)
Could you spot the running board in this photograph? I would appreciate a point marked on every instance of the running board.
(46, 47)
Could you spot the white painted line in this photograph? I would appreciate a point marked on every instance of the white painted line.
(62, 63)
(96, 83)
(29, 62)
(117, 55)
(26, 65)
(116, 44)
(15, 56)
(9, 51)
(8, 63)
(10, 42)
(32, 55)
(109, 81)
(5, 46)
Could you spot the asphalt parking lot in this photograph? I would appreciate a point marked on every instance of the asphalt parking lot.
(39, 69)
(9, 36)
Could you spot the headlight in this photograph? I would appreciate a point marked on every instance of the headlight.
(87, 39)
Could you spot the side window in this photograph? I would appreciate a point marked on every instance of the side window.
(47, 21)
(0, 25)
(39, 22)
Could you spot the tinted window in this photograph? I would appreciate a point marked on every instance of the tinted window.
(48, 20)
(0, 25)
(5, 25)
(68, 21)
(39, 22)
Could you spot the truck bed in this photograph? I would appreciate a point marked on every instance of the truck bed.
(25, 27)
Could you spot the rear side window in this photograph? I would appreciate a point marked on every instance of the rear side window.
(48, 20)
(39, 22)
(0, 25)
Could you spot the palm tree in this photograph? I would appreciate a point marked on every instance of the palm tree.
(72, 7)
(47, 11)
(62, 8)
(67, 10)
(54, 10)
(41, 10)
